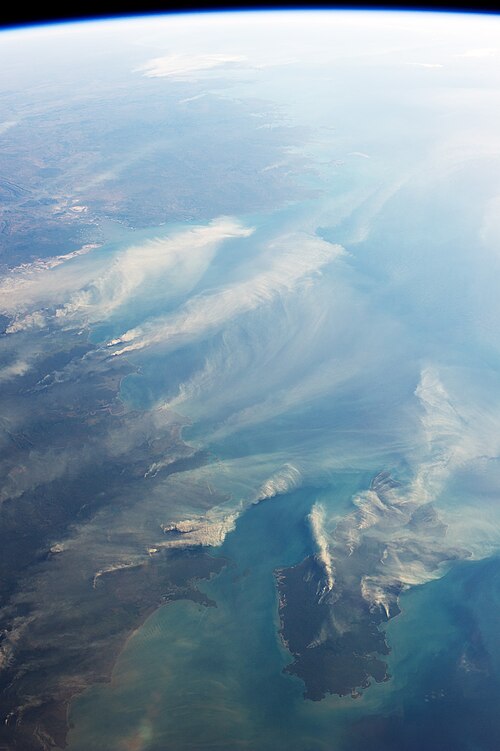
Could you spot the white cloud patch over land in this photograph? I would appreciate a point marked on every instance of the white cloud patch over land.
(14, 369)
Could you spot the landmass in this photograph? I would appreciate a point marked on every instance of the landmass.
(83, 558)
(336, 646)
(46, 674)
(333, 603)
(65, 172)
(90, 507)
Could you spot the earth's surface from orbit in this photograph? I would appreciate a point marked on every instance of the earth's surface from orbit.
(249, 383)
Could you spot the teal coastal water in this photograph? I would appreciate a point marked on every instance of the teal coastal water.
(194, 677)
(445, 683)
(198, 677)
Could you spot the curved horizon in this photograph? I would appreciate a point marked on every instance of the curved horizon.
(121, 13)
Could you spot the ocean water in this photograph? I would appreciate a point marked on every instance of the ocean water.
(338, 320)
(445, 685)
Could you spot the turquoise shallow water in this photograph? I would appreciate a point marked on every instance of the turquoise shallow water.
(211, 678)
(323, 374)
(444, 663)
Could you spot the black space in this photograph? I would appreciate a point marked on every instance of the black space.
(13, 15)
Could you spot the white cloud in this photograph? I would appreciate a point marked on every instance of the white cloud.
(359, 153)
(414, 530)
(481, 52)
(322, 542)
(181, 66)
(286, 479)
(178, 260)
(294, 259)
(34, 320)
(87, 292)
(7, 125)
(209, 529)
(17, 368)
(426, 65)
(43, 282)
